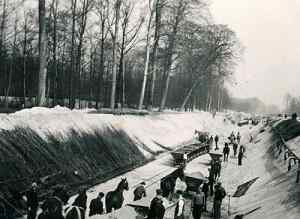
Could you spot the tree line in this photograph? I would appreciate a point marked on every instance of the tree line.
(111, 53)
(292, 104)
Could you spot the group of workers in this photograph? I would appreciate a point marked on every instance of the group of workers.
(235, 142)
(53, 205)
(210, 187)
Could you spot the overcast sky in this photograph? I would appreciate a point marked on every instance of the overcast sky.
(270, 31)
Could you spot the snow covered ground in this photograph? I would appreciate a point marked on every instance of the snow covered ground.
(149, 132)
(275, 191)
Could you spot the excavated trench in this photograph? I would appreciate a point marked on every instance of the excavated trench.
(78, 149)
(83, 159)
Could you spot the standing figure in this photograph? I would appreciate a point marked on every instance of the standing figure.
(81, 200)
(211, 142)
(157, 209)
(243, 149)
(198, 203)
(235, 147)
(216, 142)
(220, 193)
(211, 181)
(32, 202)
(226, 151)
(238, 137)
(205, 189)
(217, 168)
(240, 157)
(96, 205)
(179, 209)
(251, 138)
(139, 192)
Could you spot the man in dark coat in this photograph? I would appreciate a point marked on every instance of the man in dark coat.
(217, 169)
(96, 205)
(211, 181)
(81, 199)
(220, 194)
(238, 137)
(157, 209)
(226, 151)
(240, 157)
(205, 190)
(216, 141)
(139, 192)
(235, 147)
(32, 201)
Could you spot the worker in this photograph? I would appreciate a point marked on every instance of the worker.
(179, 209)
(32, 201)
(226, 151)
(238, 137)
(205, 189)
(157, 208)
(216, 142)
(198, 203)
(139, 191)
(96, 205)
(220, 194)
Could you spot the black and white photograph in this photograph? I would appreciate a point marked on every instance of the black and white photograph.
(149, 109)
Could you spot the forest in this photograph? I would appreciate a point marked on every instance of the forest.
(151, 54)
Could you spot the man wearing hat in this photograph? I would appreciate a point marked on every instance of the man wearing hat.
(205, 189)
(32, 201)
(211, 181)
(157, 209)
(96, 205)
(139, 191)
(220, 193)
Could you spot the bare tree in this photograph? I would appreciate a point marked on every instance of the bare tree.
(12, 60)
(128, 42)
(54, 15)
(115, 40)
(73, 68)
(179, 11)
(24, 57)
(148, 42)
(221, 48)
(41, 97)
(86, 7)
(102, 8)
(154, 65)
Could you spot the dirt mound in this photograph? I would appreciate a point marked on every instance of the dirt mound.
(288, 129)
(82, 159)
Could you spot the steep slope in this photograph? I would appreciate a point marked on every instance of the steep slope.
(60, 146)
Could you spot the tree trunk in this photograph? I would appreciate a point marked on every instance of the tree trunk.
(41, 97)
(2, 27)
(55, 84)
(115, 39)
(170, 51)
(155, 47)
(123, 84)
(24, 61)
(73, 70)
(101, 73)
(120, 72)
(9, 83)
(142, 95)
